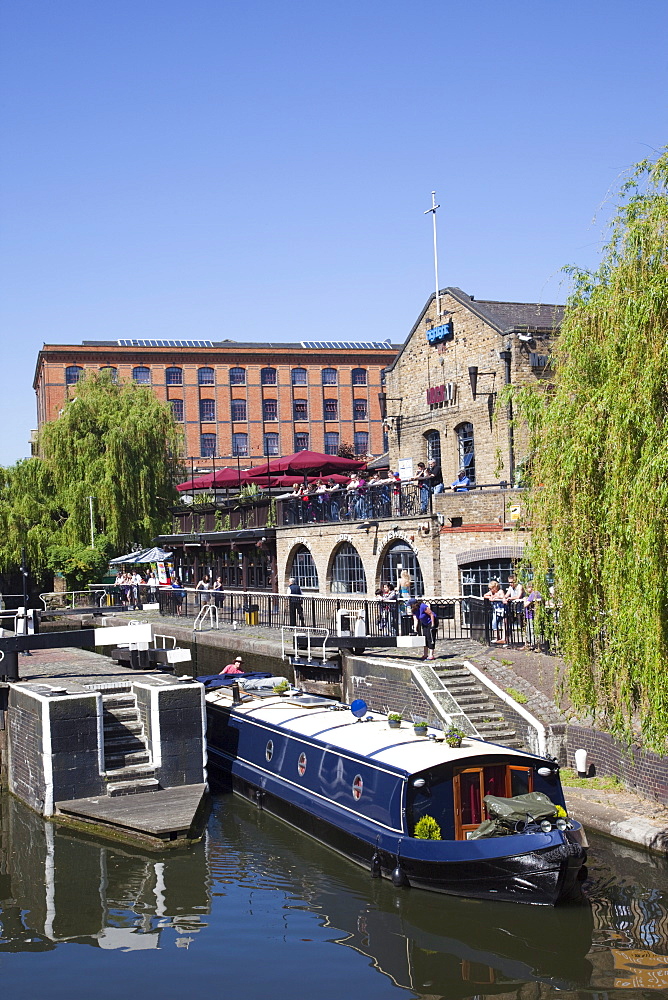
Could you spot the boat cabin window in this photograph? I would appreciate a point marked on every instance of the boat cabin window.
(471, 784)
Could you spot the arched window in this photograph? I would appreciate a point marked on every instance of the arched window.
(207, 445)
(72, 374)
(329, 376)
(271, 444)
(359, 376)
(299, 376)
(304, 570)
(141, 375)
(348, 576)
(240, 444)
(205, 376)
(474, 578)
(301, 441)
(400, 557)
(433, 439)
(268, 376)
(177, 409)
(174, 376)
(237, 376)
(111, 372)
(466, 449)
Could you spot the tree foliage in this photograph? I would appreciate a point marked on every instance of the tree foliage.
(113, 441)
(599, 503)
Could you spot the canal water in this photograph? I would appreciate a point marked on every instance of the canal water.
(257, 910)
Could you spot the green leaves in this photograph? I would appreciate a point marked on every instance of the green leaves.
(599, 505)
(115, 442)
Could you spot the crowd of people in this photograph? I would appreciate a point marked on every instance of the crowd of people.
(515, 604)
(370, 494)
(129, 582)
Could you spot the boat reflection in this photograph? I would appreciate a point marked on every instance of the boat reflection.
(57, 887)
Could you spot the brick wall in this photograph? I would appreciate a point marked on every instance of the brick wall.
(639, 769)
(386, 687)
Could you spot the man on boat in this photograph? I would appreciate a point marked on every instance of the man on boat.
(234, 668)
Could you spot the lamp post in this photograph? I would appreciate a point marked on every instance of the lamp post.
(92, 523)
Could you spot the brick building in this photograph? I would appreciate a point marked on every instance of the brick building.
(239, 400)
(442, 387)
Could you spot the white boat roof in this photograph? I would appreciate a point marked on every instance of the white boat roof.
(399, 749)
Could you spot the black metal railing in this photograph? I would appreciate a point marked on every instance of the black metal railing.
(370, 503)
(458, 617)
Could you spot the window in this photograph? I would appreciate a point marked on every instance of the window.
(359, 376)
(207, 445)
(301, 442)
(348, 575)
(237, 376)
(299, 376)
(329, 376)
(268, 376)
(240, 444)
(303, 569)
(433, 439)
(238, 409)
(72, 374)
(470, 786)
(331, 407)
(270, 409)
(331, 443)
(361, 442)
(111, 372)
(359, 409)
(205, 376)
(174, 376)
(474, 578)
(466, 449)
(177, 409)
(142, 375)
(271, 444)
(400, 558)
(207, 409)
(300, 409)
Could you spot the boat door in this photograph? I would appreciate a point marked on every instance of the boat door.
(471, 784)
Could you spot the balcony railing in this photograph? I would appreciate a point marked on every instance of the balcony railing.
(373, 502)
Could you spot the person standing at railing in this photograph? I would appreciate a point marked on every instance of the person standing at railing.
(152, 584)
(205, 585)
(426, 622)
(387, 613)
(296, 602)
(423, 482)
(178, 595)
(496, 596)
(514, 601)
(434, 470)
(137, 582)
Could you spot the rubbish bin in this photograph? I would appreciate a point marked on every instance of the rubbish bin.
(252, 613)
(406, 624)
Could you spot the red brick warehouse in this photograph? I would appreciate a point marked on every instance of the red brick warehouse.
(239, 401)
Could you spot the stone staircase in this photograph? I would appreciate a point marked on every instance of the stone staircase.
(478, 704)
(127, 759)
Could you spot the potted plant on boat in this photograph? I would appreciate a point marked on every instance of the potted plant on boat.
(420, 728)
(394, 720)
(427, 828)
(281, 688)
(454, 736)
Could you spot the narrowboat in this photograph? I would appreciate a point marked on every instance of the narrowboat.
(360, 787)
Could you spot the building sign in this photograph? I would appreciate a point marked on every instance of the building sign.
(394, 536)
(405, 468)
(515, 512)
(438, 334)
(303, 541)
(441, 394)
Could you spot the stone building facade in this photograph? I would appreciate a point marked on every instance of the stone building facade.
(239, 400)
(442, 388)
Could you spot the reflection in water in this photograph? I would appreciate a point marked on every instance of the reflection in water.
(56, 887)
(261, 907)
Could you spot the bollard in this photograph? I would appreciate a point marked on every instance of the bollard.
(581, 763)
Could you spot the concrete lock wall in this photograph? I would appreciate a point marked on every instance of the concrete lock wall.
(54, 746)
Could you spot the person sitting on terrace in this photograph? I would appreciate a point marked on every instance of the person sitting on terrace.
(462, 482)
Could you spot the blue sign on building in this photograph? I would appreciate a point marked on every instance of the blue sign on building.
(438, 334)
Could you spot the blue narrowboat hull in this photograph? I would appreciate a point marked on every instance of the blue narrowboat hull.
(538, 868)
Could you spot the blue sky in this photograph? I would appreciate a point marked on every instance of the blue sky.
(259, 170)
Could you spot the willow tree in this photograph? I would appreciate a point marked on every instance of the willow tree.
(115, 442)
(599, 506)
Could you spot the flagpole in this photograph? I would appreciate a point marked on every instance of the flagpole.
(432, 211)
